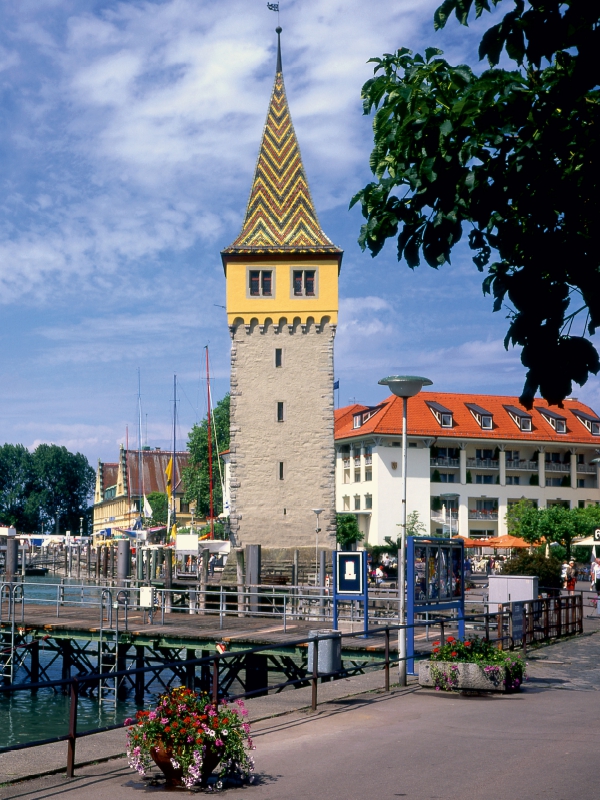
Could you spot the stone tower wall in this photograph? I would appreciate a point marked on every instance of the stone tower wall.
(264, 509)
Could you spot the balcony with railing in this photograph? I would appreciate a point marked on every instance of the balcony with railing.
(482, 463)
(357, 461)
(528, 466)
(368, 460)
(454, 463)
(554, 466)
(346, 463)
(487, 515)
(589, 469)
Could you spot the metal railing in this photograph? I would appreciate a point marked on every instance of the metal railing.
(445, 462)
(482, 463)
(554, 466)
(549, 617)
(483, 514)
(529, 466)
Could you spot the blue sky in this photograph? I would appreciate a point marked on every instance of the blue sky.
(129, 137)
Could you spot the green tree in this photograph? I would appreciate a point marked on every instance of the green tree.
(347, 532)
(63, 484)
(558, 524)
(523, 520)
(160, 508)
(196, 475)
(16, 484)
(414, 527)
(536, 563)
(509, 156)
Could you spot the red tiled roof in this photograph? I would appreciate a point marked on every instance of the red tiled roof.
(154, 464)
(421, 422)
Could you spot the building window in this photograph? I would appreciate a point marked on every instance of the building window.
(357, 420)
(260, 282)
(280, 471)
(356, 476)
(512, 455)
(442, 414)
(581, 483)
(446, 421)
(513, 480)
(484, 478)
(484, 455)
(553, 481)
(368, 501)
(184, 507)
(446, 477)
(346, 502)
(368, 474)
(278, 357)
(280, 412)
(304, 282)
(346, 476)
(357, 502)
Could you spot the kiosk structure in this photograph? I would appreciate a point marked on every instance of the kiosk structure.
(435, 582)
(350, 582)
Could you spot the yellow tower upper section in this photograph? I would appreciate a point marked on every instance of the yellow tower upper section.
(281, 265)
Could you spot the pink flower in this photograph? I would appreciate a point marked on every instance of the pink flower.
(164, 721)
(244, 713)
(152, 715)
(128, 721)
(219, 742)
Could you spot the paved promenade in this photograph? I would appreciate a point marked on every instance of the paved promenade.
(415, 744)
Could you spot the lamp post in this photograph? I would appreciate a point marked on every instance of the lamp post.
(403, 386)
(318, 512)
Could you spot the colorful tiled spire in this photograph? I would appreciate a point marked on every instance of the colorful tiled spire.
(280, 217)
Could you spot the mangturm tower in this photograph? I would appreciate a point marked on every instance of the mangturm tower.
(282, 305)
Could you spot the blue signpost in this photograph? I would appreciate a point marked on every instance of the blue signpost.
(350, 581)
(435, 581)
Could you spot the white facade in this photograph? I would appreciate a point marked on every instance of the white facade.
(369, 474)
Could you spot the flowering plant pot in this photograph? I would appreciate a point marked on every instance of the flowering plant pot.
(473, 664)
(187, 738)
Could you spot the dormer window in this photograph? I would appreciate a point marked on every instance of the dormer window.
(443, 415)
(521, 418)
(591, 423)
(484, 418)
(553, 418)
(358, 420)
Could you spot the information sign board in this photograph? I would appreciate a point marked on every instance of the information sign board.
(349, 573)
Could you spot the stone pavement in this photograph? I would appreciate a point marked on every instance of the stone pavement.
(412, 743)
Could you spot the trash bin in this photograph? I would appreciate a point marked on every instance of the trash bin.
(329, 657)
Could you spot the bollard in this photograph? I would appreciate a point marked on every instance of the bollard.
(315, 673)
(12, 558)
(168, 579)
(123, 561)
(71, 741)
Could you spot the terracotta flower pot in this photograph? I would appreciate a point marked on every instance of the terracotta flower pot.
(174, 777)
(162, 759)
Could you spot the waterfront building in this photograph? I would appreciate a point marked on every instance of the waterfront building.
(120, 488)
(282, 305)
(469, 458)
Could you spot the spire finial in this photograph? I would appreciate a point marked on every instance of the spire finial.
(278, 30)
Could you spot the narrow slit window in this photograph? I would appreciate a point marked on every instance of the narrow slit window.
(278, 357)
(281, 470)
(279, 412)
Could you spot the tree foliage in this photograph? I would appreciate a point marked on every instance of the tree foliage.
(536, 563)
(348, 532)
(552, 524)
(159, 504)
(507, 155)
(50, 487)
(196, 475)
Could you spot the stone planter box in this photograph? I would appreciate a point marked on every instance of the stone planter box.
(471, 677)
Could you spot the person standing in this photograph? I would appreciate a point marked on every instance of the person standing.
(571, 577)
(595, 576)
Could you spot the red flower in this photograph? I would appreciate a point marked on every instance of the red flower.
(451, 639)
(175, 724)
(167, 728)
(454, 653)
(436, 649)
(467, 644)
(436, 643)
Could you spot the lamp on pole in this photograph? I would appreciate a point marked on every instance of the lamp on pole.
(403, 386)
(448, 497)
(318, 512)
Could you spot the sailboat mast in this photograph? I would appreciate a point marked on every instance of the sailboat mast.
(210, 465)
(174, 474)
(140, 465)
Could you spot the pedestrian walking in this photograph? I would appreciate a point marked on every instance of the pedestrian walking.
(211, 564)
